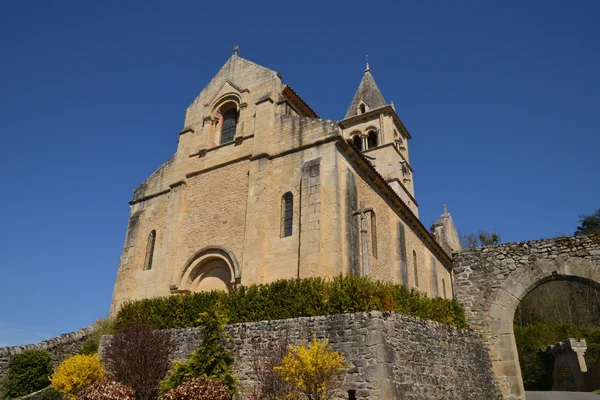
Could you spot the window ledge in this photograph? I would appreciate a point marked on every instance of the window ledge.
(236, 141)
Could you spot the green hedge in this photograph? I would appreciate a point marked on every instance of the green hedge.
(291, 299)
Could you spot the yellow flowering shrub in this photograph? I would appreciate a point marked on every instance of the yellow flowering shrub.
(76, 373)
(315, 369)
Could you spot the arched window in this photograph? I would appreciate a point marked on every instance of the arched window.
(150, 250)
(372, 139)
(374, 233)
(362, 109)
(229, 124)
(287, 214)
(357, 142)
(416, 269)
(404, 170)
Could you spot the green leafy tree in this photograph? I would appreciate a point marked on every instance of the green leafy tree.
(480, 239)
(210, 360)
(589, 224)
(28, 372)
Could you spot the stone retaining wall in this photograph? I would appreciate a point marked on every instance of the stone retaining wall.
(60, 347)
(393, 356)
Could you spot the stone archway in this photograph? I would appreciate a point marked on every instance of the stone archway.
(569, 365)
(490, 283)
(212, 268)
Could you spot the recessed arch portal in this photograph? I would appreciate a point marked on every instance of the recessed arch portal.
(212, 268)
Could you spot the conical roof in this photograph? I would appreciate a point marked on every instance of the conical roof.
(367, 92)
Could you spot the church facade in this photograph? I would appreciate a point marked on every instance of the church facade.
(260, 188)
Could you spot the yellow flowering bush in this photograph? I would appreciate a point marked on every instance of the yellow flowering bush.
(315, 369)
(76, 373)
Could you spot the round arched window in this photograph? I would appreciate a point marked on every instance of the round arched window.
(372, 139)
(228, 127)
(357, 142)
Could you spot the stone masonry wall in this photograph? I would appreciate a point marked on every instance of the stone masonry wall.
(491, 281)
(392, 356)
(60, 347)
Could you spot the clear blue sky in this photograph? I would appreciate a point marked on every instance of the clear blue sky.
(501, 98)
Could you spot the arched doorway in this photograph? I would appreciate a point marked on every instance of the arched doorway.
(212, 268)
(212, 274)
(564, 380)
(490, 283)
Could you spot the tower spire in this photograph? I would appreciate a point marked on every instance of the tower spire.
(367, 93)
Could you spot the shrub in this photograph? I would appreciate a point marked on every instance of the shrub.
(28, 372)
(77, 372)
(266, 358)
(199, 388)
(211, 359)
(291, 299)
(139, 358)
(89, 347)
(103, 326)
(51, 394)
(315, 369)
(108, 390)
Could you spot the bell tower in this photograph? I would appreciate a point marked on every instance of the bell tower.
(374, 128)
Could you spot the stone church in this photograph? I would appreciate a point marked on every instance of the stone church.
(261, 188)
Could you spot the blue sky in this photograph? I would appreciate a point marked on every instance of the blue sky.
(501, 98)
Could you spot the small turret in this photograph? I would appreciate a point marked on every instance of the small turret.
(445, 233)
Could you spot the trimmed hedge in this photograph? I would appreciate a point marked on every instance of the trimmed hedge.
(294, 298)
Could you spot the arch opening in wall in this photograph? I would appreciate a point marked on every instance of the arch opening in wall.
(372, 139)
(525, 283)
(212, 268)
(362, 108)
(491, 300)
(357, 141)
(558, 305)
(150, 244)
(287, 214)
(564, 381)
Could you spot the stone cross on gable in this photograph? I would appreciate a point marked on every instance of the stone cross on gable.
(364, 238)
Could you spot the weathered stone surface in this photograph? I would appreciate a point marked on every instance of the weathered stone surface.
(211, 216)
(60, 347)
(490, 282)
(390, 356)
